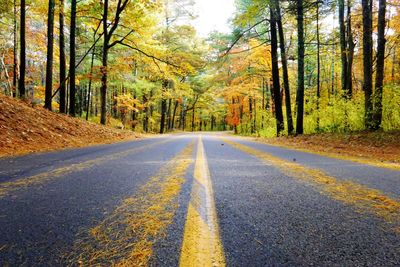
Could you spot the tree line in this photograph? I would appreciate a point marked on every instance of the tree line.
(134, 64)
(323, 49)
(288, 67)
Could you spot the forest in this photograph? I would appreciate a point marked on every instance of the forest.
(286, 68)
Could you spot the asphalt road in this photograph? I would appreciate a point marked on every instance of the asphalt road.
(196, 200)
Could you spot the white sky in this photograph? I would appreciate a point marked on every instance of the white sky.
(213, 15)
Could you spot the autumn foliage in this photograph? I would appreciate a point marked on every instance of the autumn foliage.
(141, 65)
(26, 128)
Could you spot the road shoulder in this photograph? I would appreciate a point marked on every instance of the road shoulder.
(375, 149)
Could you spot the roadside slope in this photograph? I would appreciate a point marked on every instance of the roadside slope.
(25, 129)
(379, 147)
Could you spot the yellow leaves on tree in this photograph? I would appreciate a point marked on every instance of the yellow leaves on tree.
(248, 67)
(127, 103)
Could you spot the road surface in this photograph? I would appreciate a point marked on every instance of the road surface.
(196, 200)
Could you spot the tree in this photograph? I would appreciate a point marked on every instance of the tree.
(275, 73)
(107, 34)
(21, 82)
(165, 86)
(343, 47)
(49, 62)
(346, 48)
(350, 53)
(175, 11)
(367, 59)
(318, 66)
(300, 71)
(15, 65)
(285, 72)
(103, 89)
(72, 60)
(147, 55)
(380, 66)
(89, 101)
(63, 66)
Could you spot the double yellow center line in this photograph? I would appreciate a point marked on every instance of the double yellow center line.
(127, 236)
(202, 244)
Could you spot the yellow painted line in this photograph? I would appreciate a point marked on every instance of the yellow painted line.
(202, 244)
(374, 163)
(363, 199)
(11, 186)
(126, 237)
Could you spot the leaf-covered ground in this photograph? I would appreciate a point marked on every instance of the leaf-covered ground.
(374, 146)
(25, 129)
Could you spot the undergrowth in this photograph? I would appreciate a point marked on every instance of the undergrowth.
(336, 114)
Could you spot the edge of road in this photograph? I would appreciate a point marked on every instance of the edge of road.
(139, 138)
(22, 182)
(362, 198)
(374, 163)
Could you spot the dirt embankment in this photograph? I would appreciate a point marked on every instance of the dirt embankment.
(25, 129)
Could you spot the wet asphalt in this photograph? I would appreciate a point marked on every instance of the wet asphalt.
(265, 217)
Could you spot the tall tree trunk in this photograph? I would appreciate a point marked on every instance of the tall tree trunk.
(288, 103)
(134, 118)
(163, 115)
(343, 47)
(275, 74)
(318, 70)
(182, 107)
(49, 62)
(193, 116)
(234, 115)
(72, 47)
(103, 90)
(268, 92)
(367, 59)
(169, 114)
(255, 115)
(90, 82)
(22, 58)
(333, 74)
(63, 65)
(380, 65)
(263, 93)
(174, 114)
(67, 96)
(350, 54)
(146, 112)
(15, 63)
(251, 114)
(164, 107)
(300, 71)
